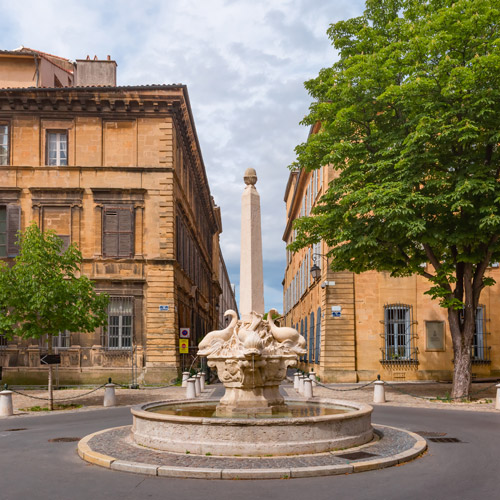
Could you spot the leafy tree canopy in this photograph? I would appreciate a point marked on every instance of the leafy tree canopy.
(410, 119)
(43, 293)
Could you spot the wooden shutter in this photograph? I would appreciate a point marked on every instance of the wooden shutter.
(126, 232)
(13, 226)
(110, 233)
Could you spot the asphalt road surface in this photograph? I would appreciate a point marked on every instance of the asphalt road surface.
(32, 468)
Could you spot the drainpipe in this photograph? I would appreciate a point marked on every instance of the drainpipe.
(37, 72)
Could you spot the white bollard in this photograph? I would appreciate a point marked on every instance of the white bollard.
(296, 376)
(6, 408)
(497, 403)
(308, 388)
(190, 388)
(312, 376)
(379, 392)
(301, 385)
(185, 376)
(109, 395)
(197, 385)
(202, 381)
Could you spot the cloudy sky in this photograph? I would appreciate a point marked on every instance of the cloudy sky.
(244, 62)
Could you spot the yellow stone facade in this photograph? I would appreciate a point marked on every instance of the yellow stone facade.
(357, 312)
(134, 197)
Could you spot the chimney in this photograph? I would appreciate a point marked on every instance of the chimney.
(95, 72)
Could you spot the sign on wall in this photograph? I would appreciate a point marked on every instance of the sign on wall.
(336, 311)
(434, 335)
(184, 333)
(164, 308)
(184, 346)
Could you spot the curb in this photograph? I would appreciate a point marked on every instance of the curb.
(93, 457)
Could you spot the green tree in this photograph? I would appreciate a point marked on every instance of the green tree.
(43, 293)
(410, 119)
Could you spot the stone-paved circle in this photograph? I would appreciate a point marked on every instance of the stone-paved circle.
(113, 448)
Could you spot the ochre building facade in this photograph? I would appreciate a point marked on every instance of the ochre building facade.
(360, 325)
(119, 172)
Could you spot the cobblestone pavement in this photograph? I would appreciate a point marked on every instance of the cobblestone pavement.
(397, 394)
(117, 443)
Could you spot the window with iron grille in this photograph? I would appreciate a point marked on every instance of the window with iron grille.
(4, 144)
(399, 338)
(118, 231)
(120, 323)
(61, 341)
(57, 148)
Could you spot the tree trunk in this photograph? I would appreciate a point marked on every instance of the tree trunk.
(462, 336)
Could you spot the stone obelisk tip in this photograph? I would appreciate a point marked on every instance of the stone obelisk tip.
(250, 177)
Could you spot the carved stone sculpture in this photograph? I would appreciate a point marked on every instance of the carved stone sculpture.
(251, 357)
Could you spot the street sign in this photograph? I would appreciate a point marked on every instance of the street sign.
(164, 308)
(336, 311)
(50, 359)
(184, 346)
(184, 333)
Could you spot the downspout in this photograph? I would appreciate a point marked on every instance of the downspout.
(37, 72)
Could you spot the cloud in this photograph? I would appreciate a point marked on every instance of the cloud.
(244, 62)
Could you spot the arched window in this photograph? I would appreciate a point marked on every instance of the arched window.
(306, 357)
(311, 340)
(318, 335)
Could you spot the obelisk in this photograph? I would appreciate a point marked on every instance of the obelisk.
(251, 270)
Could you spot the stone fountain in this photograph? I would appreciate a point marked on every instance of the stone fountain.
(251, 356)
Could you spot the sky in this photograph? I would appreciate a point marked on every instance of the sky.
(244, 63)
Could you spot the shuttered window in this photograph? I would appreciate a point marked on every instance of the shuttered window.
(318, 335)
(4, 144)
(118, 232)
(10, 221)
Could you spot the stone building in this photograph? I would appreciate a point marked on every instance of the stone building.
(118, 171)
(361, 325)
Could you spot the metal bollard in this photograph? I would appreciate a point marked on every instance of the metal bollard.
(197, 385)
(296, 376)
(378, 392)
(497, 403)
(185, 376)
(308, 388)
(190, 388)
(312, 376)
(6, 408)
(202, 381)
(109, 395)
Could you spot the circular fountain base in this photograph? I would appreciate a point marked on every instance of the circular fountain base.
(183, 431)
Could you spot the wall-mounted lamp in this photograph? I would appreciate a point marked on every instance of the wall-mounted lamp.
(315, 269)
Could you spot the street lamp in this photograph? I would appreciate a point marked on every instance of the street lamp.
(315, 269)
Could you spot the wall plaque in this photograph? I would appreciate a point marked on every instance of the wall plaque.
(434, 335)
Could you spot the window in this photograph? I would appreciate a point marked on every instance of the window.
(118, 232)
(3, 340)
(10, 220)
(120, 316)
(398, 335)
(61, 341)
(479, 349)
(4, 144)
(57, 148)
(318, 335)
(311, 339)
(305, 336)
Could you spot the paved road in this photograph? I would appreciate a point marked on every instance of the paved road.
(33, 468)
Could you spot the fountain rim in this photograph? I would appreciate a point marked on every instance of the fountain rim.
(359, 409)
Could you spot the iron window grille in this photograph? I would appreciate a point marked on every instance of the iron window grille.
(400, 340)
(119, 333)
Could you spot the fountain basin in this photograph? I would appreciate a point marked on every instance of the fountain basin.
(247, 437)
